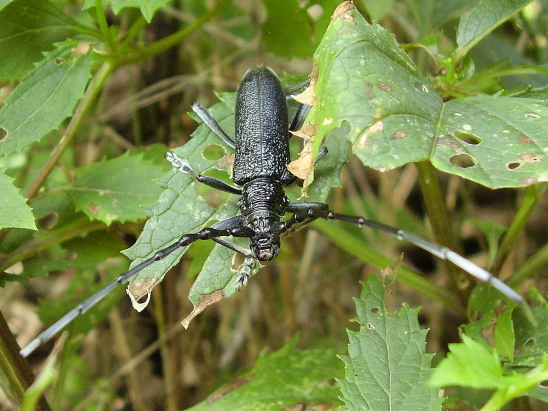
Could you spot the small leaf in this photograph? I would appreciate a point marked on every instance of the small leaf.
(491, 324)
(118, 189)
(482, 20)
(14, 211)
(469, 365)
(45, 97)
(282, 380)
(386, 366)
(148, 8)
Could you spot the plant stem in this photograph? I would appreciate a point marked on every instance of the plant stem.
(441, 223)
(530, 200)
(16, 376)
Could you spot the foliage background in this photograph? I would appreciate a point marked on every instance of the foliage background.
(151, 61)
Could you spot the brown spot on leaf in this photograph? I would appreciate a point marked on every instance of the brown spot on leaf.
(374, 128)
(530, 158)
(399, 135)
(385, 86)
(139, 289)
(529, 180)
(525, 139)
(94, 209)
(342, 11)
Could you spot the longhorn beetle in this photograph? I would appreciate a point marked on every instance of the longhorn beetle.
(260, 171)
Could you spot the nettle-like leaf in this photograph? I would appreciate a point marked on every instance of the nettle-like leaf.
(28, 28)
(287, 379)
(147, 7)
(117, 190)
(396, 117)
(469, 364)
(14, 211)
(45, 97)
(386, 366)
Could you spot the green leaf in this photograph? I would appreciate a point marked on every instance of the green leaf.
(45, 97)
(396, 117)
(482, 20)
(470, 365)
(14, 210)
(386, 365)
(147, 7)
(286, 379)
(118, 189)
(531, 339)
(491, 324)
(27, 28)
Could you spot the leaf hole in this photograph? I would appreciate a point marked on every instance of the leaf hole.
(370, 326)
(463, 160)
(375, 310)
(513, 166)
(530, 343)
(213, 152)
(467, 138)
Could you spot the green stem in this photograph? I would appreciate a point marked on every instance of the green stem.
(84, 106)
(15, 373)
(67, 232)
(167, 42)
(356, 247)
(441, 223)
(529, 267)
(530, 200)
(103, 25)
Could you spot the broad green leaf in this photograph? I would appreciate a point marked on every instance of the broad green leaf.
(396, 116)
(14, 211)
(117, 190)
(469, 364)
(45, 97)
(147, 7)
(287, 379)
(482, 20)
(27, 29)
(386, 366)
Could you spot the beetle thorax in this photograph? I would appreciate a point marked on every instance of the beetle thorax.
(263, 204)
